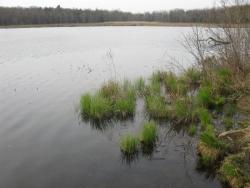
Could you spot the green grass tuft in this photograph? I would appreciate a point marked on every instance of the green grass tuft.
(211, 141)
(204, 117)
(110, 90)
(228, 123)
(229, 170)
(183, 110)
(204, 96)
(149, 133)
(85, 104)
(100, 108)
(192, 130)
(140, 86)
(129, 144)
(192, 76)
(156, 107)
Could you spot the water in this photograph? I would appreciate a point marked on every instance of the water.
(44, 143)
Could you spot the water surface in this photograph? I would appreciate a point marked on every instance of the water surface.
(44, 142)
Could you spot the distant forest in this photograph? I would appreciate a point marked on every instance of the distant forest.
(58, 15)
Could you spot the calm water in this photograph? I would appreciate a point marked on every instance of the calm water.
(44, 143)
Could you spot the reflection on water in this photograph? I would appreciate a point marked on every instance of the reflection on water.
(43, 141)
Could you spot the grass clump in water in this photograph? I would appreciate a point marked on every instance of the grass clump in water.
(228, 123)
(96, 107)
(174, 85)
(140, 86)
(192, 130)
(125, 107)
(129, 144)
(112, 100)
(156, 107)
(204, 96)
(149, 133)
(210, 147)
(204, 116)
(184, 110)
(192, 77)
(235, 170)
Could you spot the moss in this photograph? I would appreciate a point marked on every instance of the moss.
(129, 144)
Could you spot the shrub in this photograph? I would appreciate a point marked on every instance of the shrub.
(149, 133)
(129, 144)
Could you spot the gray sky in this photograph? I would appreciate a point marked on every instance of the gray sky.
(125, 5)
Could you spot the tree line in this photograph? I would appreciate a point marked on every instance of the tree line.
(58, 15)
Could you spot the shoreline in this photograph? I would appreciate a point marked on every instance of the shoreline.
(108, 24)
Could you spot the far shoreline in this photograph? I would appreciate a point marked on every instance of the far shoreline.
(102, 24)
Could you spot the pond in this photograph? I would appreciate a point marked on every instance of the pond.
(43, 140)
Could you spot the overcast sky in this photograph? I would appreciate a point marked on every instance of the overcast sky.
(125, 5)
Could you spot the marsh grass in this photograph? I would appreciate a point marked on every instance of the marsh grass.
(184, 110)
(235, 170)
(193, 77)
(175, 85)
(112, 100)
(228, 123)
(148, 134)
(204, 96)
(192, 130)
(96, 107)
(204, 116)
(211, 141)
(210, 148)
(129, 144)
(140, 86)
(110, 90)
(157, 107)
